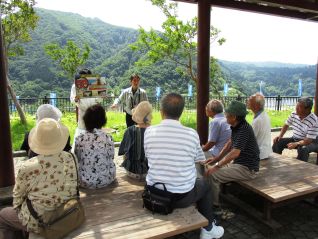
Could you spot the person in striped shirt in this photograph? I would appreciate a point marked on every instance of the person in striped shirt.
(305, 131)
(241, 148)
(130, 98)
(172, 151)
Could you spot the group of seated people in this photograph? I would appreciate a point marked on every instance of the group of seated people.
(169, 153)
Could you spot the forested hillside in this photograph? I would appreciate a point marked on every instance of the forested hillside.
(34, 74)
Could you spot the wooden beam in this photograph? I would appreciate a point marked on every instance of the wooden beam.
(6, 160)
(316, 97)
(204, 23)
(265, 9)
(299, 5)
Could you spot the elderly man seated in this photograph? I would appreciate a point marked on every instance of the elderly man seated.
(172, 150)
(219, 129)
(305, 131)
(261, 125)
(242, 149)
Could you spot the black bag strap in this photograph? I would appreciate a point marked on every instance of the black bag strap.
(31, 208)
(164, 186)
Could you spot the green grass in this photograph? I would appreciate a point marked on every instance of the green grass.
(116, 121)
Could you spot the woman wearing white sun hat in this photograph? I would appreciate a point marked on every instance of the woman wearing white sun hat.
(47, 180)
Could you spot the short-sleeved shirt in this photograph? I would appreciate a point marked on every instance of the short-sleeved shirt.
(220, 133)
(130, 100)
(243, 138)
(95, 153)
(305, 128)
(262, 130)
(172, 150)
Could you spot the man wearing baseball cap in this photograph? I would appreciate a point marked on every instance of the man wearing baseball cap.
(241, 148)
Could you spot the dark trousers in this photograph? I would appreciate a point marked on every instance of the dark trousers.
(202, 196)
(129, 120)
(303, 151)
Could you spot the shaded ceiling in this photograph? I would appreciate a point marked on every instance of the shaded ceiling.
(298, 9)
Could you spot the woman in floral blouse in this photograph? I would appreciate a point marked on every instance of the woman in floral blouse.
(95, 151)
(47, 180)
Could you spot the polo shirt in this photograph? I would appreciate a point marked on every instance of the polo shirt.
(243, 138)
(305, 128)
(172, 150)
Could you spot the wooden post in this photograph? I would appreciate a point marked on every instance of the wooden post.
(6, 160)
(316, 94)
(204, 22)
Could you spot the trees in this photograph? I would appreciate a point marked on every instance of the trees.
(18, 18)
(69, 58)
(176, 43)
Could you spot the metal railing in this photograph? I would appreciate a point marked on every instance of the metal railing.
(30, 105)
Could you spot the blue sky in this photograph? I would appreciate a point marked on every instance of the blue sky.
(250, 36)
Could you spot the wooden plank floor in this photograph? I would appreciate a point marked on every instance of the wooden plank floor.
(282, 178)
(117, 212)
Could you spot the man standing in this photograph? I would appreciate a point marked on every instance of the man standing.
(305, 131)
(242, 149)
(130, 98)
(172, 150)
(261, 125)
(219, 129)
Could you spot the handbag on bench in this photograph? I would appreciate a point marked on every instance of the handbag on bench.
(157, 200)
(63, 220)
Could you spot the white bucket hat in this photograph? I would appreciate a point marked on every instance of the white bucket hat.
(48, 137)
(48, 111)
(142, 113)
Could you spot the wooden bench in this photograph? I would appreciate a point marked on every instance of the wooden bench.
(281, 180)
(117, 212)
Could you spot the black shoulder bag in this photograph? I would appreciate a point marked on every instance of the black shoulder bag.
(157, 200)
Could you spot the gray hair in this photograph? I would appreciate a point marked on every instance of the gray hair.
(216, 106)
(307, 102)
(48, 111)
(172, 105)
(259, 99)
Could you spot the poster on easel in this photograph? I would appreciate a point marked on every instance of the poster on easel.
(88, 86)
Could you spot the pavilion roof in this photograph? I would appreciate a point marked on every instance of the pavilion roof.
(298, 9)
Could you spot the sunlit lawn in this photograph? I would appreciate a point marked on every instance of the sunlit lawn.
(116, 120)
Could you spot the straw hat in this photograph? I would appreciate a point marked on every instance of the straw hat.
(48, 137)
(141, 114)
(48, 111)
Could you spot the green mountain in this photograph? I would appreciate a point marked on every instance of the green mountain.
(34, 74)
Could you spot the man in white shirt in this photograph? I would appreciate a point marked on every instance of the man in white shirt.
(130, 98)
(172, 151)
(305, 131)
(261, 124)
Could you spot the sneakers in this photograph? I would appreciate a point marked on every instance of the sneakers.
(214, 233)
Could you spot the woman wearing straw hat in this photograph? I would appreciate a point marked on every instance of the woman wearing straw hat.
(47, 180)
(132, 145)
(95, 151)
(44, 111)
